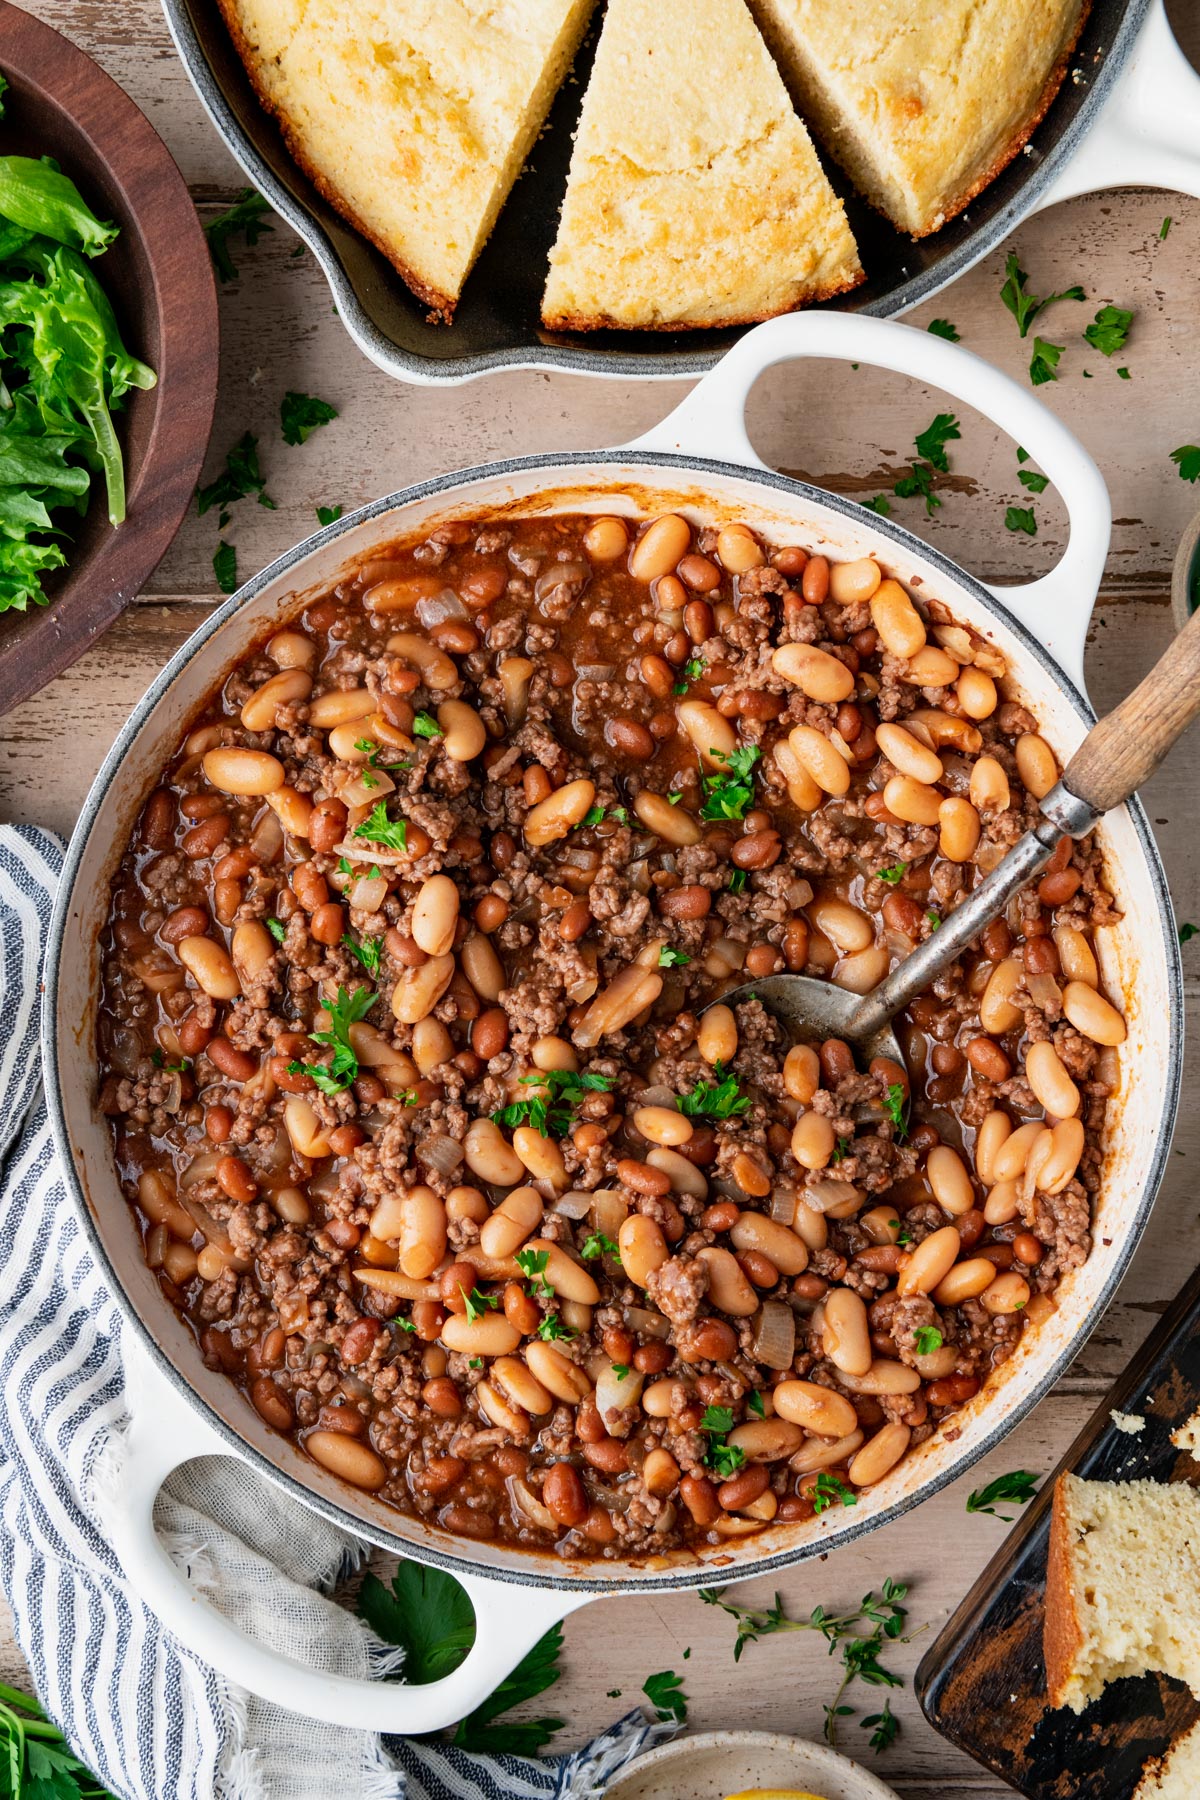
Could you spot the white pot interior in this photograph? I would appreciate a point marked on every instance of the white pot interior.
(1138, 957)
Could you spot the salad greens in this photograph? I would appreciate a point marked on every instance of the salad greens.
(64, 370)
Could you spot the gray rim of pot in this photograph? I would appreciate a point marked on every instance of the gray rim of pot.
(292, 560)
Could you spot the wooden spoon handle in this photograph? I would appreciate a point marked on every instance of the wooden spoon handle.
(1124, 749)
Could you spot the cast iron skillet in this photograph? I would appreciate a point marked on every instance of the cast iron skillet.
(1144, 139)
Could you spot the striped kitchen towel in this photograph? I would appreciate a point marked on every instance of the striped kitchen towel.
(147, 1716)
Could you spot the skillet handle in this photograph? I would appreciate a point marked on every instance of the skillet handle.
(711, 423)
(1146, 132)
(166, 1432)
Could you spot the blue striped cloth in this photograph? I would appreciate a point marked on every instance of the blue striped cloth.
(150, 1719)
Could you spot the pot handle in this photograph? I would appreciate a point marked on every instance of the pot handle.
(711, 423)
(1145, 134)
(166, 1432)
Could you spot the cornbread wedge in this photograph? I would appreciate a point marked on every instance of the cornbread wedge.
(1175, 1776)
(695, 197)
(1121, 1582)
(412, 116)
(923, 102)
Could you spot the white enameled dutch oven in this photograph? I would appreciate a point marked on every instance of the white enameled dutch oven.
(699, 462)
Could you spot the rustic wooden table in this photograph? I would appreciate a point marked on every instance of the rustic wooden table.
(844, 430)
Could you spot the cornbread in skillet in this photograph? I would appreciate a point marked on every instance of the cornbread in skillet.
(695, 196)
(923, 103)
(1175, 1776)
(1121, 1586)
(413, 117)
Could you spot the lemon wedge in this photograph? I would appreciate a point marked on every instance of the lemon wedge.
(774, 1794)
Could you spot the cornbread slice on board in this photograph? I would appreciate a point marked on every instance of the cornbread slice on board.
(412, 116)
(1175, 1776)
(1121, 1586)
(923, 102)
(695, 197)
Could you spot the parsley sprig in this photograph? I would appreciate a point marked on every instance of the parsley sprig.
(532, 1264)
(1014, 1489)
(301, 414)
(427, 1613)
(665, 1693)
(332, 1077)
(1109, 329)
(931, 454)
(895, 1104)
(884, 1616)
(369, 953)
(827, 1490)
(730, 794)
(1023, 305)
(36, 1762)
(552, 1114)
(599, 1245)
(244, 217)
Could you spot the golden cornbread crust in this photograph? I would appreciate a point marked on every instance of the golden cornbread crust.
(694, 200)
(923, 102)
(431, 177)
(1062, 1635)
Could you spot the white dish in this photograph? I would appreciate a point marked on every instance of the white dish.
(717, 1763)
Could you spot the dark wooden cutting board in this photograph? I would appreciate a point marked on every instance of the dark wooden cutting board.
(982, 1683)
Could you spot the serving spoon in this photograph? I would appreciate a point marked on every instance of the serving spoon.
(1119, 753)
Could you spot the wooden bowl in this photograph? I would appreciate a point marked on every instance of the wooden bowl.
(159, 278)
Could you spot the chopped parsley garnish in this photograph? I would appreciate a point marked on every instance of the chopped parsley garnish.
(737, 881)
(1187, 461)
(180, 1067)
(756, 1405)
(403, 1323)
(1187, 931)
(552, 1115)
(343, 865)
(532, 1264)
(729, 795)
(1043, 364)
(225, 567)
(277, 929)
(840, 1150)
(552, 1329)
(1021, 518)
(426, 726)
(722, 1099)
(1015, 1489)
(379, 829)
(369, 953)
(340, 1071)
(245, 216)
(878, 504)
(693, 669)
(929, 1339)
(475, 1362)
(718, 1420)
(300, 415)
(904, 1237)
(620, 814)
(241, 476)
(931, 443)
(725, 1459)
(1164, 228)
(368, 747)
(620, 1370)
(1029, 478)
(827, 1490)
(478, 1303)
(895, 1107)
(599, 1245)
(1109, 329)
(919, 482)
(944, 329)
(1124, 374)
(1023, 305)
(670, 958)
(328, 515)
(893, 875)
(592, 816)
(933, 920)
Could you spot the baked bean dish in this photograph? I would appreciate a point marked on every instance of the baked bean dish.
(423, 1091)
